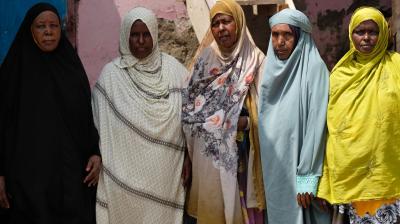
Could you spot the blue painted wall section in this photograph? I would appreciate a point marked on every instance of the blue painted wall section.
(12, 13)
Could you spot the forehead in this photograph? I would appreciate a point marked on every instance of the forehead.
(281, 27)
(139, 26)
(46, 15)
(221, 16)
(367, 24)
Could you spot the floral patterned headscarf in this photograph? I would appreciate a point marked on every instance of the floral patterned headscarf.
(216, 92)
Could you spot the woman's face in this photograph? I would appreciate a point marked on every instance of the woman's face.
(365, 36)
(223, 28)
(46, 31)
(283, 40)
(140, 40)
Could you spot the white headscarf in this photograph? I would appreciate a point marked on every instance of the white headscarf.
(137, 110)
(147, 71)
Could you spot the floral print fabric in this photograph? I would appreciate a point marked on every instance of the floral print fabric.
(386, 214)
(212, 105)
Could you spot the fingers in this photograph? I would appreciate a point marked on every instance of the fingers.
(89, 165)
(3, 195)
(93, 167)
(304, 199)
(323, 205)
(89, 178)
(4, 200)
(94, 181)
(299, 200)
(92, 178)
(307, 200)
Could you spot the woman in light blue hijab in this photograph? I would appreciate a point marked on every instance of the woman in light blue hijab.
(292, 122)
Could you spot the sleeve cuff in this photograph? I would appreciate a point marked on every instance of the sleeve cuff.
(306, 184)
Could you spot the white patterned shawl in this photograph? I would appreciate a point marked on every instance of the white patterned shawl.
(137, 110)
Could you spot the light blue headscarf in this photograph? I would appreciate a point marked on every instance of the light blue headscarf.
(292, 119)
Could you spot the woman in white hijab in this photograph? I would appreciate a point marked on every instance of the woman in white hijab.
(137, 110)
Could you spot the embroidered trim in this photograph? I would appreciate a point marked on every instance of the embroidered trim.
(101, 203)
(177, 90)
(140, 193)
(307, 184)
(131, 126)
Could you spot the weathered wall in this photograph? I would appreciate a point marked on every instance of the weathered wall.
(99, 23)
(330, 21)
(98, 28)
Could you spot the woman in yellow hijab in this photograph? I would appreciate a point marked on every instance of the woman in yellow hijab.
(362, 161)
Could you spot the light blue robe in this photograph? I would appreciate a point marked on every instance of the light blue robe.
(292, 122)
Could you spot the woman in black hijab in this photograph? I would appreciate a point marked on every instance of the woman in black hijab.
(49, 154)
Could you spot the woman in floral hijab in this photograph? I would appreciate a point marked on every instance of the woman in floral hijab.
(222, 77)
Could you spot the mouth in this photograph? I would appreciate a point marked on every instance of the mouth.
(367, 47)
(224, 38)
(281, 51)
(47, 42)
(141, 49)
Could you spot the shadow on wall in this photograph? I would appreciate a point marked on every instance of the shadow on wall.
(11, 15)
(98, 29)
(258, 24)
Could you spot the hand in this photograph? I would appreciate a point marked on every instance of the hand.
(242, 123)
(93, 167)
(3, 194)
(323, 204)
(304, 199)
(186, 172)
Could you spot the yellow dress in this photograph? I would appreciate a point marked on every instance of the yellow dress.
(362, 160)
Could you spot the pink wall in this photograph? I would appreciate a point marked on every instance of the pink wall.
(99, 23)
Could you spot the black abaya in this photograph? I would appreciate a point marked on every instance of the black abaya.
(46, 131)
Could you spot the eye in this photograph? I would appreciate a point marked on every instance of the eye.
(288, 35)
(226, 21)
(359, 32)
(147, 34)
(375, 33)
(40, 26)
(54, 25)
(215, 24)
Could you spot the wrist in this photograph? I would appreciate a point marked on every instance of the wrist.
(307, 184)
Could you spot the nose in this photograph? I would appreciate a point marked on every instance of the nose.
(221, 26)
(281, 40)
(366, 36)
(141, 39)
(48, 30)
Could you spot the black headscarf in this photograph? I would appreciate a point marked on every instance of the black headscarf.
(26, 69)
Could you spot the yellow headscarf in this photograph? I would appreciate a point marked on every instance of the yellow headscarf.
(364, 14)
(230, 8)
(363, 147)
